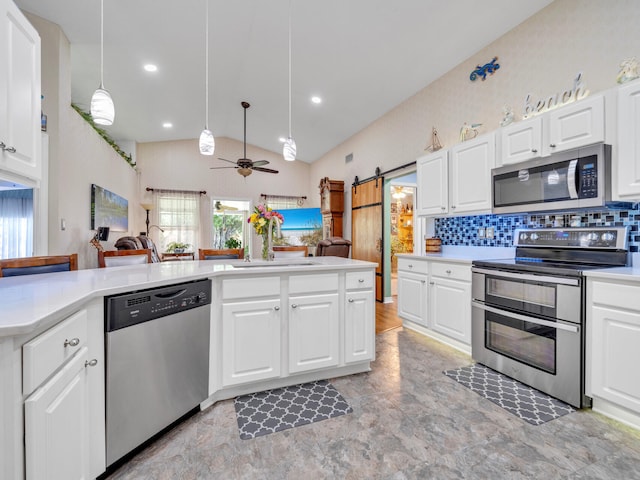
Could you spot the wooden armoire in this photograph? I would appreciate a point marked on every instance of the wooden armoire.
(331, 207)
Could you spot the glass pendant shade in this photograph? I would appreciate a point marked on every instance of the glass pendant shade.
(207, 142)
(102, 110)
(289, 150)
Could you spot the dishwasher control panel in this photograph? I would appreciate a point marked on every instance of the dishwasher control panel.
(131, 308)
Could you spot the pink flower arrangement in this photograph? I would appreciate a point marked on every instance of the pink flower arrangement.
(261, 216)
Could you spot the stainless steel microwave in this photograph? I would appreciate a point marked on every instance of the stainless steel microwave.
(568, 180)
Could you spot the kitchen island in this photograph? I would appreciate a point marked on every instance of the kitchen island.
(272, 324)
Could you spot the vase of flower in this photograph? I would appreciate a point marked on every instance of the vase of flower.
(260, 219)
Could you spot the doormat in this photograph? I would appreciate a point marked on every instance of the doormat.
(283, 408)
(525, 402)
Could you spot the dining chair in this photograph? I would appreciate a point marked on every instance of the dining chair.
(220, 254)
(116, 258)
(13, 267)
(333, 246)
(290, 251)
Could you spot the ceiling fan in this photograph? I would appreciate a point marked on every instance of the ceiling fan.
(220, 207)
(245, 166)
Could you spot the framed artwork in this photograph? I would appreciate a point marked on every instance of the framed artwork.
(394, 207)
(108, 210)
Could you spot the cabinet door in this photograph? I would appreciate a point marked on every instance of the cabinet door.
(412, 297)
(614, 355)
(577, 124)
(521, 141)
(250, 341)
(57, 424)
(627, 168)
(20, 103)
(471, 164)
(314, 337)
(451, 308)
(433, 188)
(359, 327)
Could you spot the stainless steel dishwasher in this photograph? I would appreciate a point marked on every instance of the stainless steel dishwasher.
(157, 361)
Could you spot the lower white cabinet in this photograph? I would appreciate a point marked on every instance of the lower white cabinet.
(64, 415)
(434, 297)
(314, 338)
(613, 337)
(359, 330)
(250, 341)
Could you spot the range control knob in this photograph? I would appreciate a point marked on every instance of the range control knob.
(523, 236)
(592, 236)
(534, 236)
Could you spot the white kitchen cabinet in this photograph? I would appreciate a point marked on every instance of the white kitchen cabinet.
(251, 341)
(613, 326)
(521, 141)
(64, 417)
(20, 104)
(359, 308)
(413, 290)
(314, 335)
(470, 175)
(576, 125)
(450, 300)
(572, 126)
(433, 188)
(626, 171)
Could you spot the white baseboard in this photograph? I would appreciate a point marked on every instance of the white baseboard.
(387, 300)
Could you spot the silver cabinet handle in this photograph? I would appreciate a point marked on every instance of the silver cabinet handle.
(361, 280)
(453, 206)
(4, 148)
(443, 208)
(91, 363)
(430, 283)
(410, 266)
(448, 272)
(423, 281)
(534, 150)
(351, 300)
(294, 305)
(276, 308)
(552, 145)
(74, 342)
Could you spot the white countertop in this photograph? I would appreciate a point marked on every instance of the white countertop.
(631, 274)
(26, 302)
(464, 254)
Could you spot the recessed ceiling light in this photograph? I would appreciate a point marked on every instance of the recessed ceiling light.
(149, 67)
(282, 139)
(167, 124)
(316, 100)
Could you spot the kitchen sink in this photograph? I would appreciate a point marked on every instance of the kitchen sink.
(274, 264)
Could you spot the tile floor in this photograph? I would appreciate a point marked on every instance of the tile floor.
(409, 422)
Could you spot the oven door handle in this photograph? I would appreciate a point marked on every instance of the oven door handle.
(527, 276)
(525, 318)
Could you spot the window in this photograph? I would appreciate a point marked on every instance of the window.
(178, 214)
(16, 223)
(230, 227)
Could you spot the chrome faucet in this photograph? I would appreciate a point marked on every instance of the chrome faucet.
(270, 255)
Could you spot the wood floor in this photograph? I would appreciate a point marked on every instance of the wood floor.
(387, 316)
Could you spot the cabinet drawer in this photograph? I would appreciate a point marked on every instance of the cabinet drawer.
(250, 287)
(49, 351)
(323, 282)
(451, 270)
(616, 294)
(359, 280)
(413, 265)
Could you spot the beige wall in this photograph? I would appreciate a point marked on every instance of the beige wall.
(541, 56)
(78, 157)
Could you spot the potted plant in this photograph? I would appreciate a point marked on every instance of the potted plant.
(177, 247)
(233, 243)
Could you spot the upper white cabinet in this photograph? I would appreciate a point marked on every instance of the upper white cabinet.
(627, 168)
(20, 104)
(433, 191)
(521, 141)
(470, 178)
(572, 126)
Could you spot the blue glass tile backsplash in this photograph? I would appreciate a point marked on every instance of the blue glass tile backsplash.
(464, 230)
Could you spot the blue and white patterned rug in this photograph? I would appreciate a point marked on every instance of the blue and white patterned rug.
(517, 398)
(283, 408)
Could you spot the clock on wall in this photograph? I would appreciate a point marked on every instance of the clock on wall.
(331, 206)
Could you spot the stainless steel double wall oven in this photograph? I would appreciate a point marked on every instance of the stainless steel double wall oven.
(528, 314)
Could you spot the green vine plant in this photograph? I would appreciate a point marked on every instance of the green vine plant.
(105, 136)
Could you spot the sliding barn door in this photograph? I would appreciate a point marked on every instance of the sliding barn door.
(366, 226)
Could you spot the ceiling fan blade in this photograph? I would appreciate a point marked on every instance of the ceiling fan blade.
(225, 160)
(259, 163)
(261, 169)
(217, 168)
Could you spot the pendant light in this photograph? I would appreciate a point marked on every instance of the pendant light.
(207, 143)
(102, 109)
(289, 149)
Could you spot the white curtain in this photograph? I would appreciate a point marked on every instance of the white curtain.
(16, 223)
(179, 215)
